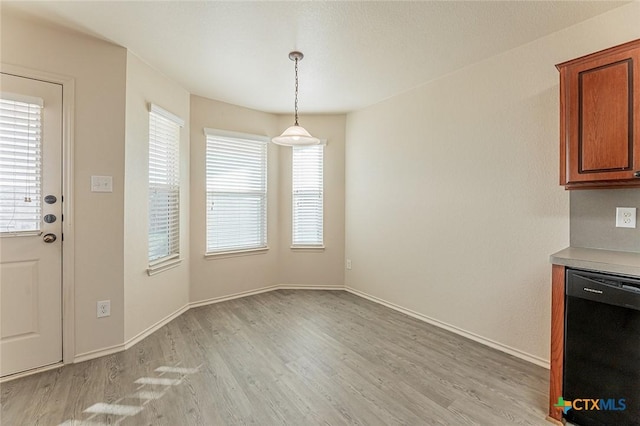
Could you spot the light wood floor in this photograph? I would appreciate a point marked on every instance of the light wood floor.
(294, 357)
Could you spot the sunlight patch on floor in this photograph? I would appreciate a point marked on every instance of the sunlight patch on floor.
(150, 395)
(178, 370)
(125, 411)
(157, 381)
(115, 409)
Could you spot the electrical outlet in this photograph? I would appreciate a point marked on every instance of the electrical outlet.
(349, 264)
(104, 308)
(625, 217)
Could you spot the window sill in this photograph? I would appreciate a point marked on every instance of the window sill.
(235, 253)
(163, 266)
(307, 248)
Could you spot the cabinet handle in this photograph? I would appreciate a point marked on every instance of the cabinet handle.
(637, 174)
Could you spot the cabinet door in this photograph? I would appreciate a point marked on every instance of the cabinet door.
(600, 103)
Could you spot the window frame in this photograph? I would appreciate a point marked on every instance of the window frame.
(301, 245)
(229, 136)
(173, 256)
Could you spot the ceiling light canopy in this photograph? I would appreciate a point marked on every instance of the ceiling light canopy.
(295, 135)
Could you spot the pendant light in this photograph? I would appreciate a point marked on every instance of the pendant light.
(296, 135)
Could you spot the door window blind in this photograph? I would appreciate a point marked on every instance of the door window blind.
(236, 193)
(20, 164)
(307, 195)
(164, 185)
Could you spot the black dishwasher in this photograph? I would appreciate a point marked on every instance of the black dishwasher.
(601, 383)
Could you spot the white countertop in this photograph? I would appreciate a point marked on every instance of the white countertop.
(616, 262)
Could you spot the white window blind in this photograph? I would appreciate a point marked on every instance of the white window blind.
(20, 165)
(164, 185)
(236, 192)
(307, 195)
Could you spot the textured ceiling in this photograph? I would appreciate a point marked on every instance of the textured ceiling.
(356, 53)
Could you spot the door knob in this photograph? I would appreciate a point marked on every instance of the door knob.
(49, 238)
(637, 174)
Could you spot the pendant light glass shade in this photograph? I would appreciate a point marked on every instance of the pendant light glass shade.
(295, 135)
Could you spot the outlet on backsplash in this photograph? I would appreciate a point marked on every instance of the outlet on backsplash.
(625, 217)
(592, 223)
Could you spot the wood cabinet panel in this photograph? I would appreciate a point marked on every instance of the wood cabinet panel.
(557, 340)
(604, 141)
(600, 123)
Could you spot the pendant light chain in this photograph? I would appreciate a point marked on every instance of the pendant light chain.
(296, 102)
(295, 135)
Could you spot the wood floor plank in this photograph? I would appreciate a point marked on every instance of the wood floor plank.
(292, 357)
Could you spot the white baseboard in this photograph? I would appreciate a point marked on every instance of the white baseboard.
(149, 330)
(469, 335)
(30, 372)
(309, 287)
(129, 343)
(86, 356)
(264, 290)
(219, 299)
(145, 333)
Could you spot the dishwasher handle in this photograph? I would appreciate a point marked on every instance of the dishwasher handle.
(603, 288)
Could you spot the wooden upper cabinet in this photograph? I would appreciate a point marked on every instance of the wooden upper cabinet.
(600, 119)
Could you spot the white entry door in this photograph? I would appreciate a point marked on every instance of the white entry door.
(30, 224)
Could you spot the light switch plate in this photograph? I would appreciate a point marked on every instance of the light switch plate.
(101, 184)
(625, 217)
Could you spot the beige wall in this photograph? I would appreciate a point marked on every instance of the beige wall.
(453, 203)
(149, 299)
(99, 71)
(113, 88)
(314, 267)
(220, 276)
(452, 199)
